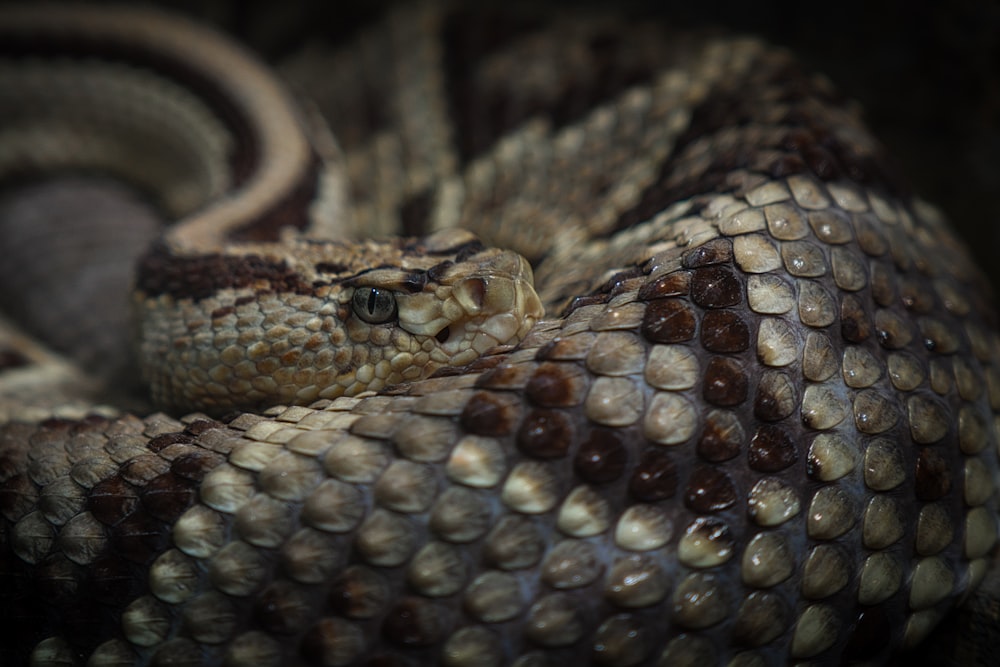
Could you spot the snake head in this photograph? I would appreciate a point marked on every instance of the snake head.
(448, 314)
(470, 307)
(258, 325)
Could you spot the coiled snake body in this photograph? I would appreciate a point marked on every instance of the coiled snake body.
(757, 426)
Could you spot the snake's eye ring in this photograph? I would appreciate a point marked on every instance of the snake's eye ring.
(374, 305)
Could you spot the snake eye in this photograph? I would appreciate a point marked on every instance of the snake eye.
(374, 305)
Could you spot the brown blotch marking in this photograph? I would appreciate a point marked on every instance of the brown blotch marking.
(330, 267)
(720, 440)
(933, 475)
(771, 449)
(677, 283)
(669, 321)
(655, 478)
(855, 325)
(602, 457)
(716, 287)
(199, 277)
(709, 489)
(555, 385)
(716, 251)
(219, 313)
(489, 414)
(414, 622)
(724, 331)
(545, 434)
(281, 608)
(725, 382)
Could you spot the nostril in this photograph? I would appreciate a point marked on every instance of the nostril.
(443, 335)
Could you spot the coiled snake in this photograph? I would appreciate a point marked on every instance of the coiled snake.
(757, 425)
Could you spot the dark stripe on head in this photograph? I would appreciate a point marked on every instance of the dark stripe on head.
(199, 277)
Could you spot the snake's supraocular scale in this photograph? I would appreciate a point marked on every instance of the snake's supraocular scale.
(758, 426)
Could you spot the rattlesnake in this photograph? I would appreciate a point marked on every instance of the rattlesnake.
(756, 426)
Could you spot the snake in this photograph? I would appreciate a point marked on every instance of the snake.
(485, 339)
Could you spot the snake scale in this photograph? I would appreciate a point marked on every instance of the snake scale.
(756, 426)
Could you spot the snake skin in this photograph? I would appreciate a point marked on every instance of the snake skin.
(758, 428)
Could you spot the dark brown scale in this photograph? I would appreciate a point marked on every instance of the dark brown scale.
(545, 434)
(721, 439)
(655, 477)
(771, 449)
(167, 439)
(195, 465)
(489, 414)
(716, 287)
(112, 500)
(669, 321)
(168, 496)
(716, 251)
(725, 382)
(675, 283)
(709, 490)
(200, 426)
(724, 331)
(588, 300)
(556, 385)
(602, 457)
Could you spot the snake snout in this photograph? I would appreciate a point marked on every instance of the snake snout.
(496, 309)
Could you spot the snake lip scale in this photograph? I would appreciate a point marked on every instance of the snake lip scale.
(755, 425)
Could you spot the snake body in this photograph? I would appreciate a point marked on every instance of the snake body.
(758, 425)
